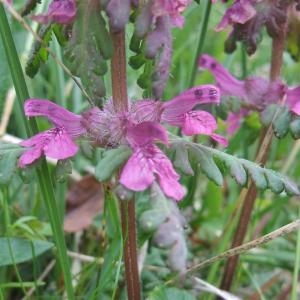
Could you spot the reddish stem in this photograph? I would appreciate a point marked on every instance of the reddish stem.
(249, 197)
(127, 208)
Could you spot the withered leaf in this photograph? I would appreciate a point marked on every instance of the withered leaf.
(84, 201)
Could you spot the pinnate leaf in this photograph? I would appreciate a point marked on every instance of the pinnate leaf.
(208, 165)
(238, 168)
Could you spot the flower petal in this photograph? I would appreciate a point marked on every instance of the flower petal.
(55, 143)
(234, 120)
(240, 12)
(146, 110)
(220, 139)
(60, 145)
(293, 100)
(172, 9)
(59, 116)
(198, 122)
(187, 100)
(37, 139)
(228, 84)
(168, 179)
(145, 133)
(62, 12)
(29, 156)
(137, 174)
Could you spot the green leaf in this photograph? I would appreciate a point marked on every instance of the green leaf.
(151, 219)
(39, 54)
(29, 6)
(281, 122)
(181, 161)
(268, 114)
(113, 253)
(8, 161)
(89, 48)
(137, 61)
(22, 250)
(112, 160)
(295, 128)
(164, 293)
(258, 177)
(207, 165)
(274, 182)
(62, 170)
(4, 78)
(293, 38)
(22, 284)
(262, 177)
(236, 170)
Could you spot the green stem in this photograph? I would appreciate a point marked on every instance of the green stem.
(243, 60)
(17, 273)
(200, 42)
(6, 215)
(44, 178)
(297, 267)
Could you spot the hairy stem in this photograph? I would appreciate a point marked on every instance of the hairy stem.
(127, 208)
(248, 196)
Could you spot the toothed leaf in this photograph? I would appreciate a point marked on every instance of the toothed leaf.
(208, 165)
(39, 54)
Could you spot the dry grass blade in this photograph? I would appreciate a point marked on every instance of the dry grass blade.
(8, 106)
(250, 245)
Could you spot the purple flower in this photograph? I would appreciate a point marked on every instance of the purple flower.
(171, 8)
(247, 17)
(179, 111)
(138, 128)
(154, 23)
(58, 142)
(141, 168)
(59, 11)
(255, 93)
(239, 13)
(147, 162)
(118, 12)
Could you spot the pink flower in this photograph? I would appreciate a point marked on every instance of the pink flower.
(247, 17)
(140, 131)
(172, 8)
(255, 93)
(59, 11)
(148, 163)
(145, 163)
(179, 112)
(54, 143)
(57, 142)
(239, 13)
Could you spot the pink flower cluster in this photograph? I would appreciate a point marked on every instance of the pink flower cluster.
(140, 128)
(247, 17)
(255, 93)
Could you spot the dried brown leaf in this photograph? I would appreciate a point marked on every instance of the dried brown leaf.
(84, 202)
